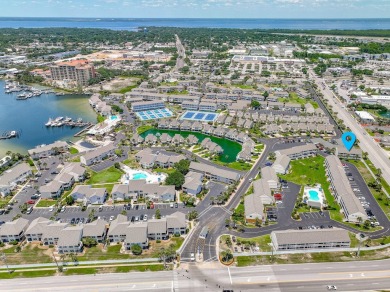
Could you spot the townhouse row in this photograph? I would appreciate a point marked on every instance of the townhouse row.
(67, 238)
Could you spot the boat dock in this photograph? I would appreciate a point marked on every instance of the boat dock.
(9, 135)
(78, 134)
(60, 121)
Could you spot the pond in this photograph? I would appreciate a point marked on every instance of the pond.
(230, 148)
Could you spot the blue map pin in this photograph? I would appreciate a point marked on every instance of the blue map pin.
(348, 139)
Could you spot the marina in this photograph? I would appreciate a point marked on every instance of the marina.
(29, 118)
(61, 121)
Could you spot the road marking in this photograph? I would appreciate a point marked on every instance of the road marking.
(230, 276)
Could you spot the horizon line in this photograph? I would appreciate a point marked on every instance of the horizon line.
(208, 18)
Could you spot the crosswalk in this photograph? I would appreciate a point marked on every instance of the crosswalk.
(175, 283)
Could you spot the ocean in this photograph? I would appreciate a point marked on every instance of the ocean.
(135, 23)
(29, 118)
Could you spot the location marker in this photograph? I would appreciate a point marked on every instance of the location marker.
(348, 139)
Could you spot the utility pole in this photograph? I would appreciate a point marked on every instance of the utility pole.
(4, 259)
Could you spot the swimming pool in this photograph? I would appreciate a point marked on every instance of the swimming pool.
(313, 195)
(140, 175)
(199, 116)
(113, 118)
(137, 174)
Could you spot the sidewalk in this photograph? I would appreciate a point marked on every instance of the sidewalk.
(82, 263)
(350, 249)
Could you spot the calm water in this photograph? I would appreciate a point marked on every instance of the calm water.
(29, 116)
(134, 23)
(230, 148)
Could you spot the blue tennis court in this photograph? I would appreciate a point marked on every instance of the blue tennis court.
(199, 116)
(154, 114)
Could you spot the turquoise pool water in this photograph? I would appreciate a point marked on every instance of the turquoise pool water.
(313, 195)
(113, 118)
(140, 175)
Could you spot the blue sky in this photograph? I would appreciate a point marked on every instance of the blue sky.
(198, 8)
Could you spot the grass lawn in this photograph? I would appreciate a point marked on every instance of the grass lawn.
(237, 165)
(144, 128)
(367, 178)
(140, 268)
(294, 98)
(80, 271)
(4, 202)
(243, 261)
(28, 274)
(127, 89)
(311, 171)
(100, 118)
(164, 170)
(107, 186)
(384, 183)
(261, 241)
(73, 150)
(46, 203)
(108, 175)
(96, 254)
(30, 254)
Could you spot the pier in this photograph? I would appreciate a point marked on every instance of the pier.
(78, 134)
(60, 121)
(9, 135)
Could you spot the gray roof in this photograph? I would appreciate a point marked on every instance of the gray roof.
(38, 225)
(176, 220)
(157, 226)
(118, 226)
(269, 174)
(136, 233)
(253, 205)
(99, 151)
(261, 187)
(70, 236)
(193, 180)
(13, 173)
(53, 230)
(342, 186)
(283, 161)
(74, 168)
(51, 187)
(89, 191)
(14, 227)
(201, 167)
(311, 236)
(39, 149)
(297, 149)
(95, 228)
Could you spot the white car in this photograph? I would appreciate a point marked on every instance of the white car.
(332, 287)
(63, 209)
(51, 209)
(112, 218)
(192, 256)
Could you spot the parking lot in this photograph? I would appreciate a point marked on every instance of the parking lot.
(362, 192)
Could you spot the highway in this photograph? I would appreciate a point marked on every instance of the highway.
(347, 276)
(375, 153)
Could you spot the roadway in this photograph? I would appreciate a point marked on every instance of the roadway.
(347, 276)
(375, 153)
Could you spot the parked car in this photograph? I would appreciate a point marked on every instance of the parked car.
(112, 218)
(62, 209)
(29, 210)
(31, 202)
